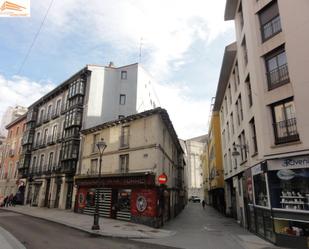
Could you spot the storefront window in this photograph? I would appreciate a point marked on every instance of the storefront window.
(124, 200)
(260, 190)
(289, 188)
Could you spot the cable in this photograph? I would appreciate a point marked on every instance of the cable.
(34, 39)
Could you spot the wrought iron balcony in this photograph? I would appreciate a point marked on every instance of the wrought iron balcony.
(278, 76)
(286, 131)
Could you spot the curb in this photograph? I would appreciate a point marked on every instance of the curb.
(102, 234)
(11, 240)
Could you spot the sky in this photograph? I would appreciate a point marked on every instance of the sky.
(182, 44)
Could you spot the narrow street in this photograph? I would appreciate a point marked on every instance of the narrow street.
(35, 233)
(207, 229)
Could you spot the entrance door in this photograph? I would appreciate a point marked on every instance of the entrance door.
(57, 195)
(46, 201)
(36, 195)
(68, 203)
(114, 203)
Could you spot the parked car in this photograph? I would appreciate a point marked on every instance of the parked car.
(195, 198)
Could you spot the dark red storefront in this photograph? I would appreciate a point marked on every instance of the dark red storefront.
(131, 197)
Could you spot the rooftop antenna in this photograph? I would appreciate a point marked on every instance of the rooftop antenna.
(140, 50)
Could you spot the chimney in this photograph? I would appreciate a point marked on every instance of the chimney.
(111, 64)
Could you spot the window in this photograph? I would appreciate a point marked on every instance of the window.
(49, 112)
(45, 136)
(50, 161)
(58, 107)
(76, 88)
(122, 99)
(37, 139)
(285, 128)
(235, 158)
(249, 91)
(17, 131)
(120, 116)
(95, 139)
(229, 93)
(94, 166)
(123, 75)
(241, 17)
(270, 21)
(33, 168)
(232, 123)
(41, 116)
(41, 163)
(124, 163)
(225, 163)
(243, 146)
(277, 68)
(239, 110)
(245, 51)
(228, 131)
(73, 118)
(54, 135)
(253, 136)
(124, 138)
(225, 105)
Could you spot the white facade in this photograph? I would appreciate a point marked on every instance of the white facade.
(194, 148)
(9, 115)
(117, 92)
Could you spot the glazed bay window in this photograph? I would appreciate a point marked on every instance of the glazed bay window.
(73, 118)
(270, 21)
(124, 163)
(76, 88)
(277, 68)
(285, 128)
(69, 150)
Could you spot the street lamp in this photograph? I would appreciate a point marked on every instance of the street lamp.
(101, 147)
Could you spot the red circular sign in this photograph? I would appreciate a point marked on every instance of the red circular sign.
(162, 178)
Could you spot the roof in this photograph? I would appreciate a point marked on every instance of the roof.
(59, 88)
(230, 10)
(15, 121)
(226, 67)
(162, 112)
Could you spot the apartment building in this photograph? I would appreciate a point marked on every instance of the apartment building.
(93, 95)
(262, 101)
(9, 161)
(214, 173)
(139, 149)
(10, 114)
(194, 147)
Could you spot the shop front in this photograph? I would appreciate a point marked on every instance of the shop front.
(278, 206)
(130, 197)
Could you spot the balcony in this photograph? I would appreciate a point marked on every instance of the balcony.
(271, 28)
(286, 131)
(55, 114)
(278, 77)
(46, 118)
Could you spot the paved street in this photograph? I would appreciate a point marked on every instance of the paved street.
(207, 229)
(37, 234)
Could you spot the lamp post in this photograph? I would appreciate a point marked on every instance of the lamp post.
(101, 145)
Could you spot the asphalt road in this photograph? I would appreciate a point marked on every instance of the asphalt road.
(40, 234)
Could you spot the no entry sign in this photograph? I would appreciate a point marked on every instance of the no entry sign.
(162, 178)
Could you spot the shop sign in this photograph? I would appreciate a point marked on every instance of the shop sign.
(289, 163)
(256, 170)
(141, 203)
(162, 178)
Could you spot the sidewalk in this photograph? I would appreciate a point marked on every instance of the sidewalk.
(109, 227)
(8, 241)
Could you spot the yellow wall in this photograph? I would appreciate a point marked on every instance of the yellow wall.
(215, 153)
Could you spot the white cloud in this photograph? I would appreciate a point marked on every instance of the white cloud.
(168, 28)
(21, 91)
(189, 116)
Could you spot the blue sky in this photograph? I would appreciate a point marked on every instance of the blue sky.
(182, 47)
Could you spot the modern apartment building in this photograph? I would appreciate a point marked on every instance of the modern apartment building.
(262, 99)
(194, 147)
(139, 149)
(9, 161)
(94, 95)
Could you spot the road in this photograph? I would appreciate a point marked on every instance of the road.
(198, 228)
(37, 234)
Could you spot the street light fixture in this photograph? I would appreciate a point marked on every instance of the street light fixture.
(101, 147)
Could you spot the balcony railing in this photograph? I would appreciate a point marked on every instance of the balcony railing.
(278, 76)
(286, 131)
(271, 28)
